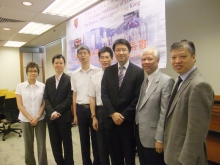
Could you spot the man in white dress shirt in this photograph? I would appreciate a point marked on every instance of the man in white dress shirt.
(80, 79)
(105, 58)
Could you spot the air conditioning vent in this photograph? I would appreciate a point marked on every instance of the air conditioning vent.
(7, 20)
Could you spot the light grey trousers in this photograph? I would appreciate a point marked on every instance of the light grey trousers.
(29, 132)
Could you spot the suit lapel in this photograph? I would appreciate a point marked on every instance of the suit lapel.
(53, 85)
(138, 103)
(182, 88)
(62, 79)
(151, 89)
(114, 76)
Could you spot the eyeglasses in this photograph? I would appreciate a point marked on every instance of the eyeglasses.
(121, 50)
(83, 53)
(32, 71)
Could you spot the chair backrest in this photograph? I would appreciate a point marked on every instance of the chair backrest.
(2, 101)
(10, 109)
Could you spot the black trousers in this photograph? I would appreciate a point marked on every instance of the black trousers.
(148, 156)
(85, 130)
(121, 144)
(101, 138)
(60, 135)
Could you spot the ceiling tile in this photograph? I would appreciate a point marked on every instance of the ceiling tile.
(23, 37)
(37, 5)
(18, 14)
(49, 19)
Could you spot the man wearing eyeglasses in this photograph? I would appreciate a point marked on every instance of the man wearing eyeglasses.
(119, 92)
(80, 79)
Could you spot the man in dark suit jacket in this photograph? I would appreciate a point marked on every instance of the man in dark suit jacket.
(58, 99)
(188, 117)
(120, 91)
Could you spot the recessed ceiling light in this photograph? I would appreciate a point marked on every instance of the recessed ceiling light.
(35, 28)
(14, 44)
(6, 29)
(69, 8)
(27, 3)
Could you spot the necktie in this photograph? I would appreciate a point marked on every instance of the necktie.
(121, 75)
(174, 92)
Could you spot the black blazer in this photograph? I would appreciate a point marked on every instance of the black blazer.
(59, 99)
(123, 99)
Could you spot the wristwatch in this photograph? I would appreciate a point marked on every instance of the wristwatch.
(93, 116)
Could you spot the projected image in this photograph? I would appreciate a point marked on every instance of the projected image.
(142, 23)
(131, 20)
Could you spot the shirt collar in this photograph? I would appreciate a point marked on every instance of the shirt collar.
(91, 67)
(152, 75)
(126, 65)
(58, 78)
(26, 83)
(185, 75)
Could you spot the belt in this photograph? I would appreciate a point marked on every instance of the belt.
(84, 105)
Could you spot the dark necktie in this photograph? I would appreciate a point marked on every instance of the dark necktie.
(121, 75)
(174, 92)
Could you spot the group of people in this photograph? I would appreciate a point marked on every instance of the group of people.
(119, 108)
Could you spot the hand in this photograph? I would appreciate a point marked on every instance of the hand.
(117, 118)
(34, 121)
(75, 120)
(55, 116)
(95, 123)
(159, 147)
(30, 119)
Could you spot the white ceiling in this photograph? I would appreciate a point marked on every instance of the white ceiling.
(14, 9)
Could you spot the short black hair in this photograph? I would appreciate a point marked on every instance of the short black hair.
(32, 65)
(105, 49)
(83, 47)
(122, 41)
(184, 44)
(58, 56)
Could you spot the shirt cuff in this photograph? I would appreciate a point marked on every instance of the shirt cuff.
(53, 113)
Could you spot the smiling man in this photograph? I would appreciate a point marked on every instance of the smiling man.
(189, 110)
(120, 91)
(151, 109)
(105, 58)
(58, 99)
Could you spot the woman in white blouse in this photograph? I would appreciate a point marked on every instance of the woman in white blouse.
(29, 95)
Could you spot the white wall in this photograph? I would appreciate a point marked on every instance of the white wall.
(9, 68)
(198, 21)
(51, 50)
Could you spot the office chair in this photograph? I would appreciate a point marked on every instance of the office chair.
(2, 101)
(11, 112)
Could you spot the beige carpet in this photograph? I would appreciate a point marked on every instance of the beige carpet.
(12, 149)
